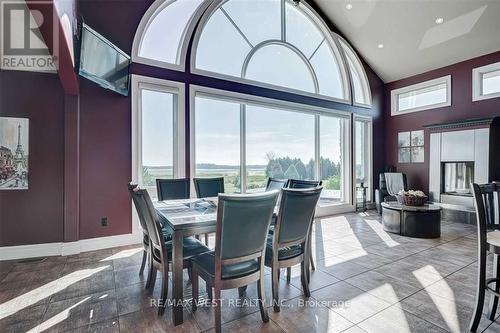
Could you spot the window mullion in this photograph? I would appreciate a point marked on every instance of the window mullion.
(317, 142)
(283, 21)
(243, 139)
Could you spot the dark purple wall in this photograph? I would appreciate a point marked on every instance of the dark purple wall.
(105, 141)
(462, 108)
(35, 215)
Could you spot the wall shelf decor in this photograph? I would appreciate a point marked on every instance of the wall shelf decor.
(411, 147)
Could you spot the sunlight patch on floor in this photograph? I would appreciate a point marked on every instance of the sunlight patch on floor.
(58, 318)
(447, 309)
(123, 254)
(36, 295)
(384, 236)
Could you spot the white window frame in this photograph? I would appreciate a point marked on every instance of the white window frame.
(348, 205)
(179, 167)
(368, 155)
(477, 82)
(421, 85)
(146, 20)
(356, 61)
(321, 25)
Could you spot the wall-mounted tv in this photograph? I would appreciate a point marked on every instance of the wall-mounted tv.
(102, 62)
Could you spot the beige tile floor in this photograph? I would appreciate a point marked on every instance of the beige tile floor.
(366, 281)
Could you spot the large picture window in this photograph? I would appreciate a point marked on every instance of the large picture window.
(261, 139)
(246, 137)
(157, 132)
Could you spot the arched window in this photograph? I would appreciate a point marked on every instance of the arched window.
(273, 42)
(360, 86)
(162, 36)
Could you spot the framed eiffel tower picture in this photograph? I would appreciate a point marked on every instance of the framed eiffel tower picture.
(14, 153)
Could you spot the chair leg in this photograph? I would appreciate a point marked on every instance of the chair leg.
(210, 296)
(206, 239)
(194, 287)
(260, 294)
(190, 274)
(481, 289)
(143, 263)
(492, 309)
(275, 287)
(311, 260)
(164, 293)
(288, 274)
(150, 284)
(303, 279)
(217, 312)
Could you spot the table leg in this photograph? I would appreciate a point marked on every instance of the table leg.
(177, 285)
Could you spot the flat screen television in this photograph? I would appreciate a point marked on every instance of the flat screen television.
(102, 62)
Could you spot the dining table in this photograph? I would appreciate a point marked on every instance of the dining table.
(184, 217)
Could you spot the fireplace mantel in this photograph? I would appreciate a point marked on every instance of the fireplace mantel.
(467, 123)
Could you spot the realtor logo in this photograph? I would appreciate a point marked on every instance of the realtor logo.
(21, 42)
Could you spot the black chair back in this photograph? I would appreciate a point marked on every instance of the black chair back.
(208, 187)
(299, 183)
(145, 207)
(487, 202)
(276, 184)
(170, 189)
(296, 214)
(242, 224)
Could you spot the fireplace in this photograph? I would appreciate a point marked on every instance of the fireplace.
(461, 153)
(456, 178)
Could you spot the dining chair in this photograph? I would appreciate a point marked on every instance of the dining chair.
(276, 184)
(300, 183)
(208, 188)
(237, 261)
(487, 202)
(145, 235)
(289, 244)
(160, 250)
(171, 189)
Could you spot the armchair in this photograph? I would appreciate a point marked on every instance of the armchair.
(382, 195)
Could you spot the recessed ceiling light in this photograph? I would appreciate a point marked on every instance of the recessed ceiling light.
(348, 6)
(380, 46)
(439, 20)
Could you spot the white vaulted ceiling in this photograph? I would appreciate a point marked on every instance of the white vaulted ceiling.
(412, 41)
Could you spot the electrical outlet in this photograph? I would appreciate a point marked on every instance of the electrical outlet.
(104, 221)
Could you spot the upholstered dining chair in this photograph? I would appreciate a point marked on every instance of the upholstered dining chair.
(208, 188)
(300, 183)
(171, 189)
(237, 260)
(145, 234)
(487, 202)
(289, 244)
(160, 250)
(276, 184)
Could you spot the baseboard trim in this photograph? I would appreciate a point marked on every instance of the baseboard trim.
(69, 248)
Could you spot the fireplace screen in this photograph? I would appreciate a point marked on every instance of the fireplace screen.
(457, 177)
